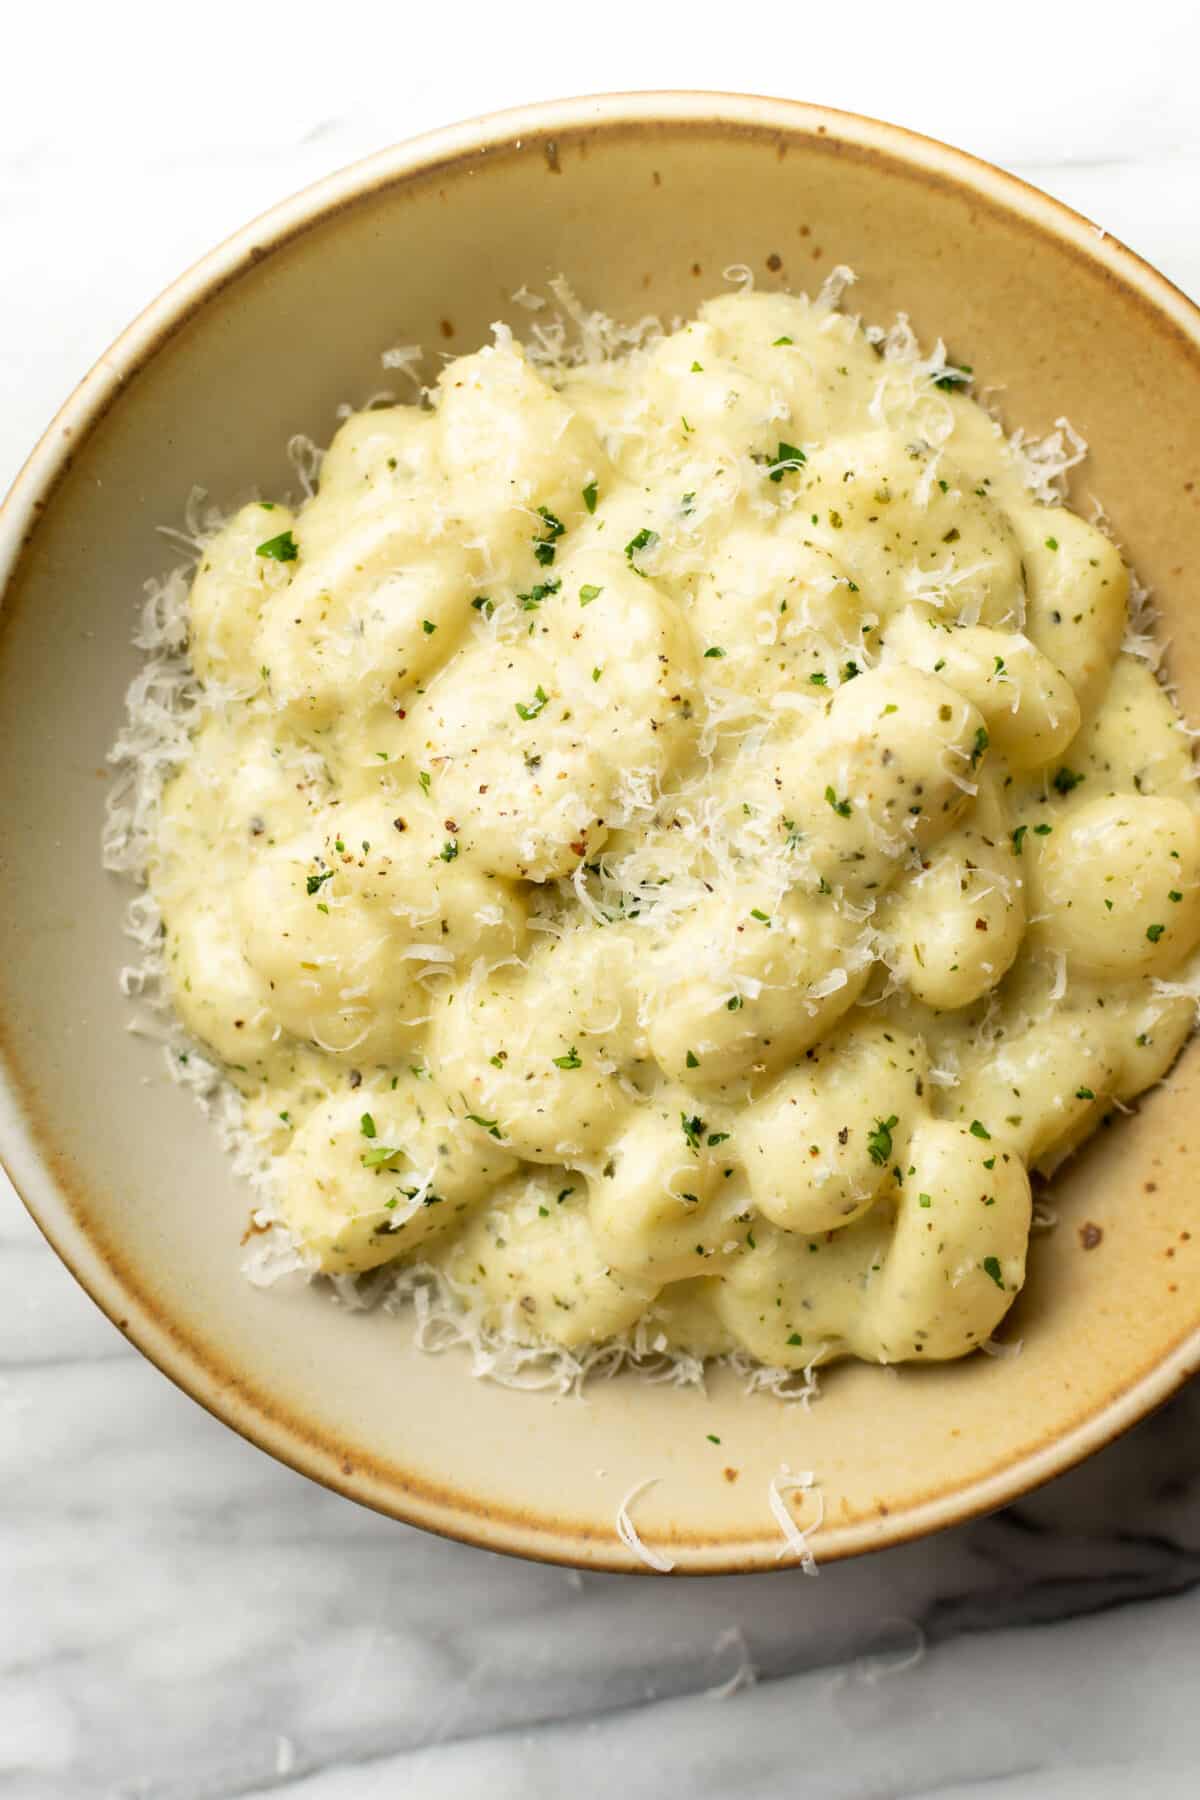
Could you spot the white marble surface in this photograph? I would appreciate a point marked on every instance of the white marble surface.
(179, 1617)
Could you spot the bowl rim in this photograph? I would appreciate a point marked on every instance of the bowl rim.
(38, 1174)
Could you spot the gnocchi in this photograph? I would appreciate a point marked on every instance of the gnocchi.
(669, 844)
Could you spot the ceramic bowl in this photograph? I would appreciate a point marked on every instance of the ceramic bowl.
(641, 201)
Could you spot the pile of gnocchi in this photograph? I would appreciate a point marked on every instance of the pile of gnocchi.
(671, 841)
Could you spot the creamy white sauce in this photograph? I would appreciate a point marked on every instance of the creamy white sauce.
(671, 842)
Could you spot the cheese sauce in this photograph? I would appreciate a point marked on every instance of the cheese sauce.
(673, 841)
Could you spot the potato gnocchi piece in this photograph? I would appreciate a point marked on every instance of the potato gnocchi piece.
(1117, 885)
(369, 1176)
(1078, 595)
(1028, 707)
(877, 502)
(956, 1259)
(375, 459)
(887, 771)
(514, 767)
(955, 926)
(668, 1199)
(512, 1047)
(234, 581)
(1041, 1091)
(776, 613)
(739, 990)
(827, 1139)
(513, 445)
(530, 1265)
(794, 1301)
(365, 621)
(1136, 742)
(626, 663)
(352, 927)
(217, 994)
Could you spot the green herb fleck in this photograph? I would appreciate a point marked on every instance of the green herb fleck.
(538, 704)
(991, 1266)
(1154, 932)
(283, 548)
(787, 458)
(645, 539)
(879, 1140)
(491, 1126)
(979, 1130)
(314, 882)
(841, 807)
(571, 1060)
(591, 494)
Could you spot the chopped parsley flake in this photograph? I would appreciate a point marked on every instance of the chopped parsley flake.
(715, 650)
(841, 807)
(1018, 838)
(879, 1140)
(693, 1129)
(954, 375)
(1084, 1093)
(541, 591)
(449, 850)
(818, 680)
(991, 1266)
(788, 457)
(588, 593)
(531, 709)
(924, 1200)
(1154, 932)
(379, 1155)
(591, 494)
(692, 1060)
(367, 1126)
(645, 539)
(543, 546)
(283, 548)
(570, 1061)
(979, 1130)
(314, 882)
(491, 1126)
(1066, 779)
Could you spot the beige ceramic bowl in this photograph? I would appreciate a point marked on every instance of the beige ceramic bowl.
(642, 200)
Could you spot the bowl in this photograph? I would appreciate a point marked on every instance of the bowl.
(642, 201)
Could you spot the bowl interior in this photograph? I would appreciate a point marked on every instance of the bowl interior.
(641, 204)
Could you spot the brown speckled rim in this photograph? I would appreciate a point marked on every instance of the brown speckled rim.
(48, 1188)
